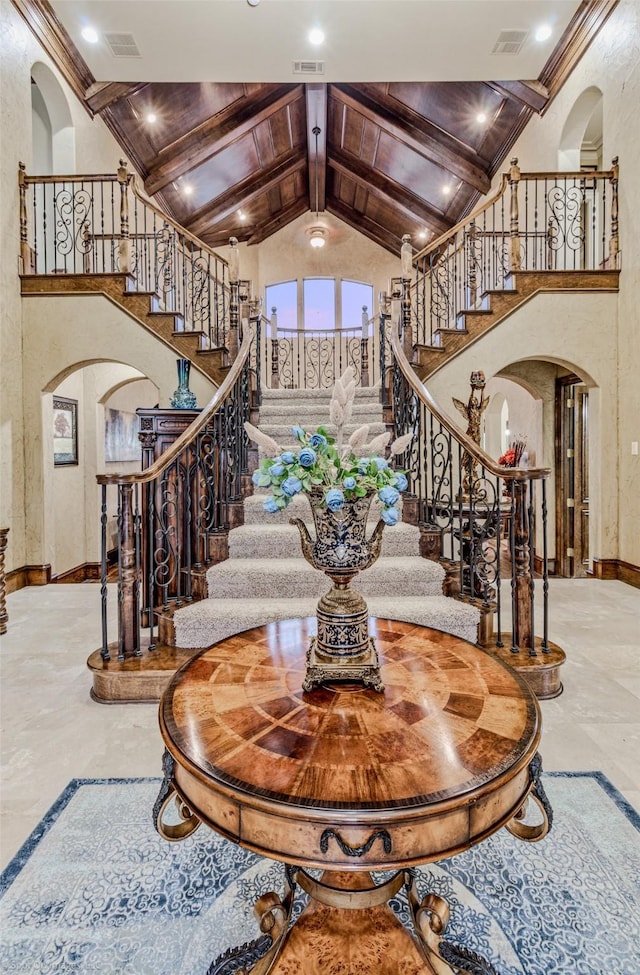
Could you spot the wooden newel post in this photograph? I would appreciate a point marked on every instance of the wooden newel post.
(364, 348)
(275, 349)
(514, 179)
(614, 243)
(26, 262)
(124, 244)
(522, 628)
(128, 583)
(406, 262)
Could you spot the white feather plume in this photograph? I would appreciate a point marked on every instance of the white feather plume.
(339, 392)
(267, 443)
(336, 413)
(400, 445)
(378, 443)
(359, 437)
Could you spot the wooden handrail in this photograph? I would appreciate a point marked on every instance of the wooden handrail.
(214, 404)
(465, 441)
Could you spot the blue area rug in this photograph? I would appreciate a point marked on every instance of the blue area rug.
(95, 891)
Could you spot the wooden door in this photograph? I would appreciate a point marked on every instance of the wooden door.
(572, 477)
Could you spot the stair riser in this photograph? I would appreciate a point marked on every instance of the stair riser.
(283, 545)
(254, 513)
(237, 583)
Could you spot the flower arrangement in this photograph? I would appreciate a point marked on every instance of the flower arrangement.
(326, 463)
(513, 455)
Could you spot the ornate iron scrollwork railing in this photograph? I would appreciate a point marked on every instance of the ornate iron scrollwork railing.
(486, 523)
(307, 358)
(171, 516)
(103, 225)
(534, 222)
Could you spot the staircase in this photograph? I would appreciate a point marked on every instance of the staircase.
(266, 577)
(496, 305)
(144, 307)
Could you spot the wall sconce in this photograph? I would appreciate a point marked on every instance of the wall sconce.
(317, 237)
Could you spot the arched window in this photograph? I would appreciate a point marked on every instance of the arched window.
(320, 303)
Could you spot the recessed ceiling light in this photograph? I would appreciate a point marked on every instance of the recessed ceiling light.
(316, 36)
(151, 117)
(446, 190)
(543, 33)
(481, 117)
(253, 3)
(187, 189)
(242, 214)
(90, 34)
(422, 235)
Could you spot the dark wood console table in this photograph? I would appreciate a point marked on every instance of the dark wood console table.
(349, 780)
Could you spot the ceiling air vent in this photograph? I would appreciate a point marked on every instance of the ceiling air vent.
(510, 41)
(122, 45)
(308, 67)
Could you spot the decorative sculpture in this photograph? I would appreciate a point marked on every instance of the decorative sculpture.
(472, 411)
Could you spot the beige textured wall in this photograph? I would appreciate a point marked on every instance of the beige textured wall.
(96, 151)
(612, 64)
(287, 255)
(58, 333)
(556, 327)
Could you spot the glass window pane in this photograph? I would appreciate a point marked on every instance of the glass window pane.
(284, 296)
(320, 303)
(354, 296)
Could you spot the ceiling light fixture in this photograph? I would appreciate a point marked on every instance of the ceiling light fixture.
(543, 33)
(187, 189)
(90, 35)
(316, 36)
(481, 117)
(242, 215)
(151, 117)
(316, 237)
(446, 190)
(253, 3)
(422, 235)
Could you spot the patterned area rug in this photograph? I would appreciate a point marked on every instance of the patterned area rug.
(95, 891)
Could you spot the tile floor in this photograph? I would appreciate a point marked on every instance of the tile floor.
(52, 732)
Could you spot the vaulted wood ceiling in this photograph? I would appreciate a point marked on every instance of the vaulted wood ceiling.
(387, 159)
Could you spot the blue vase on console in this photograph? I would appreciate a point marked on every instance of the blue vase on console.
(183, 398)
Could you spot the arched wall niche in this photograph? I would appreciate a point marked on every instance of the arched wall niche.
(52, 124)
(70, 495)
(581, 140)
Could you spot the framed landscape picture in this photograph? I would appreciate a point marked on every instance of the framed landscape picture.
(65, 431)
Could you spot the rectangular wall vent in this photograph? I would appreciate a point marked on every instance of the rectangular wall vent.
(510, 41)
(308, 67)
(122, 45)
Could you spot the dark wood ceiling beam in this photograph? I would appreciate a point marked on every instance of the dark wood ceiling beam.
(365, 226)
(387, 190)
(102, 94)
(280, 220)
(531, 94)
(217, 133)
(241, 195)
(405, 125)
(316, 99)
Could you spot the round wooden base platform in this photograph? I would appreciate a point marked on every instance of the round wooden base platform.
(542, 672)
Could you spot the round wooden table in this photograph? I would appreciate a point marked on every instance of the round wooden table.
(349, 780)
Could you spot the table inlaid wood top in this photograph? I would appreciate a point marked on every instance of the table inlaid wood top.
(454, 726)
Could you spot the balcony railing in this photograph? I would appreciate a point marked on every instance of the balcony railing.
(103, 225)
(534, 222)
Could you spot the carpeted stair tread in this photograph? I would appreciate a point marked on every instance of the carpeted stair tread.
(280, 541)
(363, 394)
(296, 412)
(282, 432)
(244, 578)
(204, 623)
